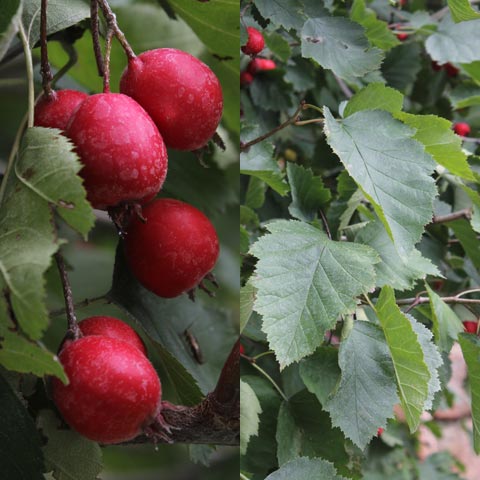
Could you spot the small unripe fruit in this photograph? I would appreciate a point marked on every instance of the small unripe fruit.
(246, 78)
(261, 64)
(402, 36)
(174, 250)
(55, 111)
(113, 328)
(470, 326)
(114, 392)
(123, 154)
(181, 94)
(461, 128)
(451, 70)
(255, 43)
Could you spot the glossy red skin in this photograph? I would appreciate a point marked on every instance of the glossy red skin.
(255, 43)
(261, 64)
(181, 94)
(470, 326)
(114, 392)
(55, 111)
(124, 157)
(402, 36)
(461, 128)
(242, 349)
(113, 328)
(246, 78)
(173, 251)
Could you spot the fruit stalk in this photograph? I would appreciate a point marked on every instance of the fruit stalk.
(45, 69)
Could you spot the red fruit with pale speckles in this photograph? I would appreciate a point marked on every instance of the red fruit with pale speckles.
(470, 326)
(124, 157)
(181, 94)
(461, 128)
(255, 43)
(113, 328)
(261, 64)
(114, 392)
(55, 111)
(173, 251)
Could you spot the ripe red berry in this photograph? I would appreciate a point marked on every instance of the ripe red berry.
(402, 36)
(451, 70)
(246, 78)
(436, 66)
(255, 43)
(470, 326)
(114, 392)
(242, 350)
(123, 154)
(55, 111)
(380, 431)
(461, 128)
(261, 64)
(173, 251)
(181, 94)
(113, 328)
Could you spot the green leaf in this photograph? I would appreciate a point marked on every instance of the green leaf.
(340, 45)
(473, 69)
(21, 456)
(308, 192)
(258, 161)
(401, 273)
(61, 14)
(67, 453)
(44, 175)
(440, 142)
(462, 11)
(364, 399)
(305, 430)
(411, 370)
(302, 468)
(464, 95)
(402, 65)
(475, 198)
(279, 46)
(375, 96)
(320, 372)
(471, 353)
(446, 324)
(391, 168)
(9, 22)
(468, 239)
(455, 42)
(247, 298)
(250, 410)
(376, 30)
(282, 12)
(304, 282)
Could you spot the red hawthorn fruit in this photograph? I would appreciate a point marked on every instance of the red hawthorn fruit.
(242, 350)
(402, 36)
(181, 94)
(174, 250)
(461, 128)
(255, 43)
(451, 70)
(246, 78)
(114, 391)
(436, 66)
(260, 64)
(124, 157)
(380, 431)
(470, 326)
(55, 111)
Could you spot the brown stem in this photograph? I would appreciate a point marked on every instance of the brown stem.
(465, 213)
(286, 123)
(325, 224)
(108, 51)
(96, 36)
(343, 87)
(73, 330)
(45, 65)
(423, 300)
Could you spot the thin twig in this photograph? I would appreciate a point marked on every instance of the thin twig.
(343, 87)
(325, 224)
(423, 300)
(270, 379)
(465, 213)
(45, 69)
(97, 49)
(106, 66)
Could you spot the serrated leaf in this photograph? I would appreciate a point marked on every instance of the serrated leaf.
(340, 45)
(363, 400)
(446, 324)
(454, 42)
(282, 12)
(440, 142)
(471, 353)
(250, 410)
(302, 468)
(402, 65)
(375, 96)
(411, 371)
(462, 11)
(305, 430)
(468, 239)
(270, 91)
(391, 168)
(67, 453)
(247, 298)
(43, 175)
(308, 192)
(475, 198)
(9, 22)
(401, 273)
(279, 46)
(464, 95)
(304, 282)
(473, 69)
(21, 456)
(376, 30)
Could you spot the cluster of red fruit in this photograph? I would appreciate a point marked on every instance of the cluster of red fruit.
(451, 70)
(255, 44)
